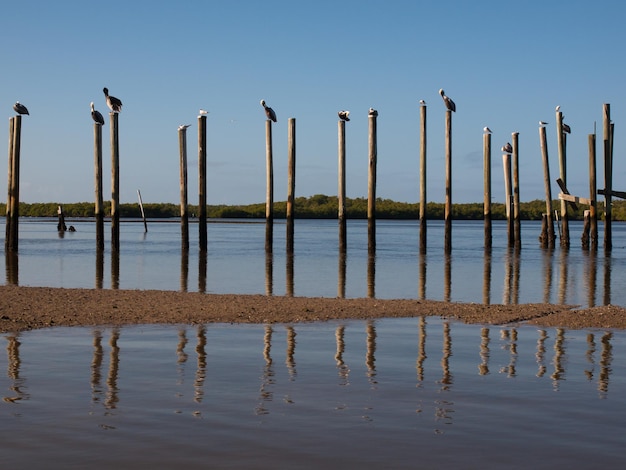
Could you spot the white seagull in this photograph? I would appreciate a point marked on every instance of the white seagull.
(269, 112)
(542, 123)
(372, 112)
(447, 101)
(422, 102)
(19, 108)
(487, 130)
(343, 115)
(182, 127)
(113, 103)
(507, 148)
(96, 116)
(558, 108)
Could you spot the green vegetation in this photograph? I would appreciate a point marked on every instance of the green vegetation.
(318, 206)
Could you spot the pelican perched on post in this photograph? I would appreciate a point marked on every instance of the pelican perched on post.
(486, 130)
(113, 103)
(343, 115)
(372, 112)
(567, 129)
(96, 116)
(269, 112)
(507, 148)
(19, 108)
(447, 101)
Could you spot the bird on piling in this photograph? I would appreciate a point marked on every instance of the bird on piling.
(567, 129)
(19, 108)
(182, 127)
(486, 130)
(269, 112)
(113, 103)
(447, 101)
(558, 108)
(507, 148)
(96, 116)
(343, 115)
(422, 102)
(542, 123)
(372, 112)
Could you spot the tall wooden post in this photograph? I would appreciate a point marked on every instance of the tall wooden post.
(448, 202)
(593, 206)
(487, 189)
(608, 178)
(423, 199)
(341, 193)
(371, 183)
(560, 138)
(549, 237)
(184, 214)
(99, 203)
(517, 225)
(291, 180)
(202, 142)
(269, 173)
(508, 194)
(115, 182)
(9, 219)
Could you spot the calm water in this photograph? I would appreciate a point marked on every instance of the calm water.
(400, 393)
(236, 262)
(396, 393)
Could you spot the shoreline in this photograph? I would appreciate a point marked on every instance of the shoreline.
(28, 308)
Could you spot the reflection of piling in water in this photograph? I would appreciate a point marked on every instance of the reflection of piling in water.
(446, 379)
(487, 277)
(111, 399)
(291, 349)
(180, 347)
(421, 352)
(559, 353)
(606, 358)
(267, 344)
(371, 275)
(423, 200)
(541, 353)
(483, 367)
(269, 273)
(198, 384)
(370, 355)
(202, 152)
(291, 181)
(268, 373)
(341, 277)
(511, 345)
(14, 363)
(342, 368)
(421, 291)
(202, 269)
(96, 367)
(591, 349)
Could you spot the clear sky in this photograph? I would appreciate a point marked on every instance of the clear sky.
(505, 64)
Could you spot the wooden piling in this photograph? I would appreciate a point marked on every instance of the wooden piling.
(547, 238)
(423, 199)
(508, 195)
(9, 220)
(61, 227)
(291, 181)
(341, 183)
(561, 139)
(371, 183)
(143, 214)
(14, 187)
(593, 203)
(99, 199)
(487, 189)
(608, 177)
(517, 223)
(184, 212)
(202, 184)
(115, 182)
(448, 201)
(269, 172)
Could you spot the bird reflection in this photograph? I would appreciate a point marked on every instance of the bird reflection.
(342, 368)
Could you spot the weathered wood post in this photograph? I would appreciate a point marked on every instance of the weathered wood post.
(9, 220)
(184, 214)
(423, 199)
(517, 224)
(371, 182)
(608, 178)
(269, 188)
(143, 214)
(291, 181)
(341, 193)
(202, 142)
(61, 227)
(448, 201)
(593, 206)
(115, 182)
(508, 195)
(487, 189)
(560, 134)
(14, 191)
(547, 234)
(99, 202)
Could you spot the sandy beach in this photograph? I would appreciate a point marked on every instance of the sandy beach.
(26, 308)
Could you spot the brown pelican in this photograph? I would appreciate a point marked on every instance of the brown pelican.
(182, 127)
(486, 130)
(372, 112)
(343, 115)
(507, 148)
(269, 112)
(567, 129)
(447, 101)
(96, 116)
(113, 103)
(19, 108)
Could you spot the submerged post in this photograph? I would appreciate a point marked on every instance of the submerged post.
(291, 180)
(448, 202)
(371, 182)
(547, 236)
(560, 138)
(341, 183)
(184, 214)
(608, 177)
(202, 234)
(423, 199)
(517, 225)
(99, 203)
(487, 189)
(115, 182)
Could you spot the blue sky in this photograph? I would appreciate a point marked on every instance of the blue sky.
(505, 64)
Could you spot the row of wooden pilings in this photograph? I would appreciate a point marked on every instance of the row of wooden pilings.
(511, 180)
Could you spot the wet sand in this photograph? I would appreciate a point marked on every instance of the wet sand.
(26, 308)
